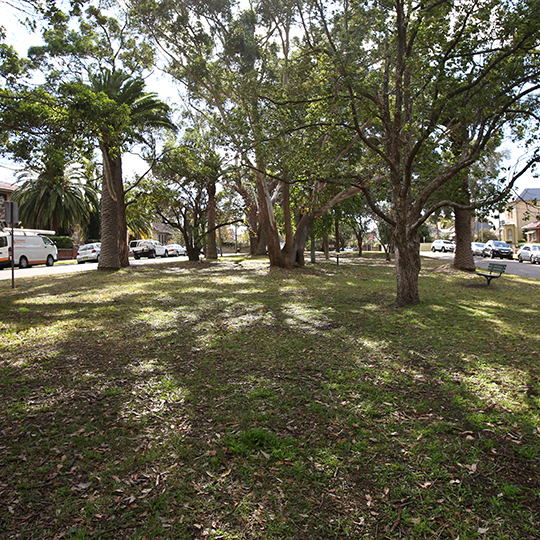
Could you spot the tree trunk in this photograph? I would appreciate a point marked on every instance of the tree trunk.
(211, 250)
(192, 253)
(326, 247)
(108, 257)
(359, 240)
(313, 242)
(338, 239)
(295, 256)
(268, 223)
(408, 266)
(260, 246)
(463, 258)
(123, 249)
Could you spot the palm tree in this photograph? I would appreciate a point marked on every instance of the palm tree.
(139, 112)
(56, 195)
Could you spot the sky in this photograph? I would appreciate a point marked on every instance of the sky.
(21, 39)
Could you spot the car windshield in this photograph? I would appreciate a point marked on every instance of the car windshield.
(86, 246)
(501, 244)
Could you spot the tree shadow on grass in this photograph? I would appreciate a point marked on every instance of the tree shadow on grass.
(218, 400)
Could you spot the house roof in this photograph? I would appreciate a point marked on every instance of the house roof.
(529, 194)
(5, 187)
(535, 225)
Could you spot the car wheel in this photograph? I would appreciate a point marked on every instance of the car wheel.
(50, 260)
(152, 255)
(137, 257)
(80, 262)
(492, 255)
(433, 249)
(23, 262)
(166, 254)
(520, 259)
(443, 250)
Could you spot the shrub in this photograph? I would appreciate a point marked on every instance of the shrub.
(62, 242)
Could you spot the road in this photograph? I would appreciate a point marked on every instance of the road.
(67, 267)
(525, 269)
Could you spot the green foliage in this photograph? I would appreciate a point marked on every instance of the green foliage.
(56, 195)
(62, 242)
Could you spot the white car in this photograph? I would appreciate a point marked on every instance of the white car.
(443, 246)
(89, 253)
(477, 248)
(527, 251)
(147, 248)
(173, 250)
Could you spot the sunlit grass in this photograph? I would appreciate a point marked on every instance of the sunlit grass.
(229, 400)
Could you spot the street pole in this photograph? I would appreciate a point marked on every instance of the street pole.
(11, 211)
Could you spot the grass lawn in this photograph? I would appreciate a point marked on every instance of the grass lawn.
(226, 400)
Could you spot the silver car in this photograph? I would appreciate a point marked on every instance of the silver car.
(175, 249)
(528, 252)
(477, 248)
(89, 253)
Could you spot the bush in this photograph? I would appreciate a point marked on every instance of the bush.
(62, 242)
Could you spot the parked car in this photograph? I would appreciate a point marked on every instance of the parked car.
(443, 245)
(173, 250)
(526, 251)
(477, 248)
(89, 253)
(147, 248)
(535, 257)
(497, 248)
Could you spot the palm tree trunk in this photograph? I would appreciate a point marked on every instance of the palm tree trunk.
(123, 250)
(108, 258)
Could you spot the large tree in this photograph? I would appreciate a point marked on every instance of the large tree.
(95, 61)
(238, 65)
(405, 76)
(184, 189)
(144, 111)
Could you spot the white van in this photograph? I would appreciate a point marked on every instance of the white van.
(31, 247)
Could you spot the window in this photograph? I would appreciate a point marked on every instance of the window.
(509, 235)
(162, 238)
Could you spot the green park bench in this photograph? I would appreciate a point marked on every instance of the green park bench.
(495, 270)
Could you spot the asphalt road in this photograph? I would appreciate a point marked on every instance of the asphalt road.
(67, 267)
(525, 269)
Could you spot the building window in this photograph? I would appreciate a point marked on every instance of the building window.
(510, 212)
(509, 235)
(162, 238)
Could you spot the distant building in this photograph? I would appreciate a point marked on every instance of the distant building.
(521, 220)
(162, 233)
(5, 194)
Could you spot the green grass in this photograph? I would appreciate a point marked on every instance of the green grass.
(228, 400)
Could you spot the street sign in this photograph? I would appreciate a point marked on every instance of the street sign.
(11, 209)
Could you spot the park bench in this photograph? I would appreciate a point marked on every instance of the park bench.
(495, 270)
